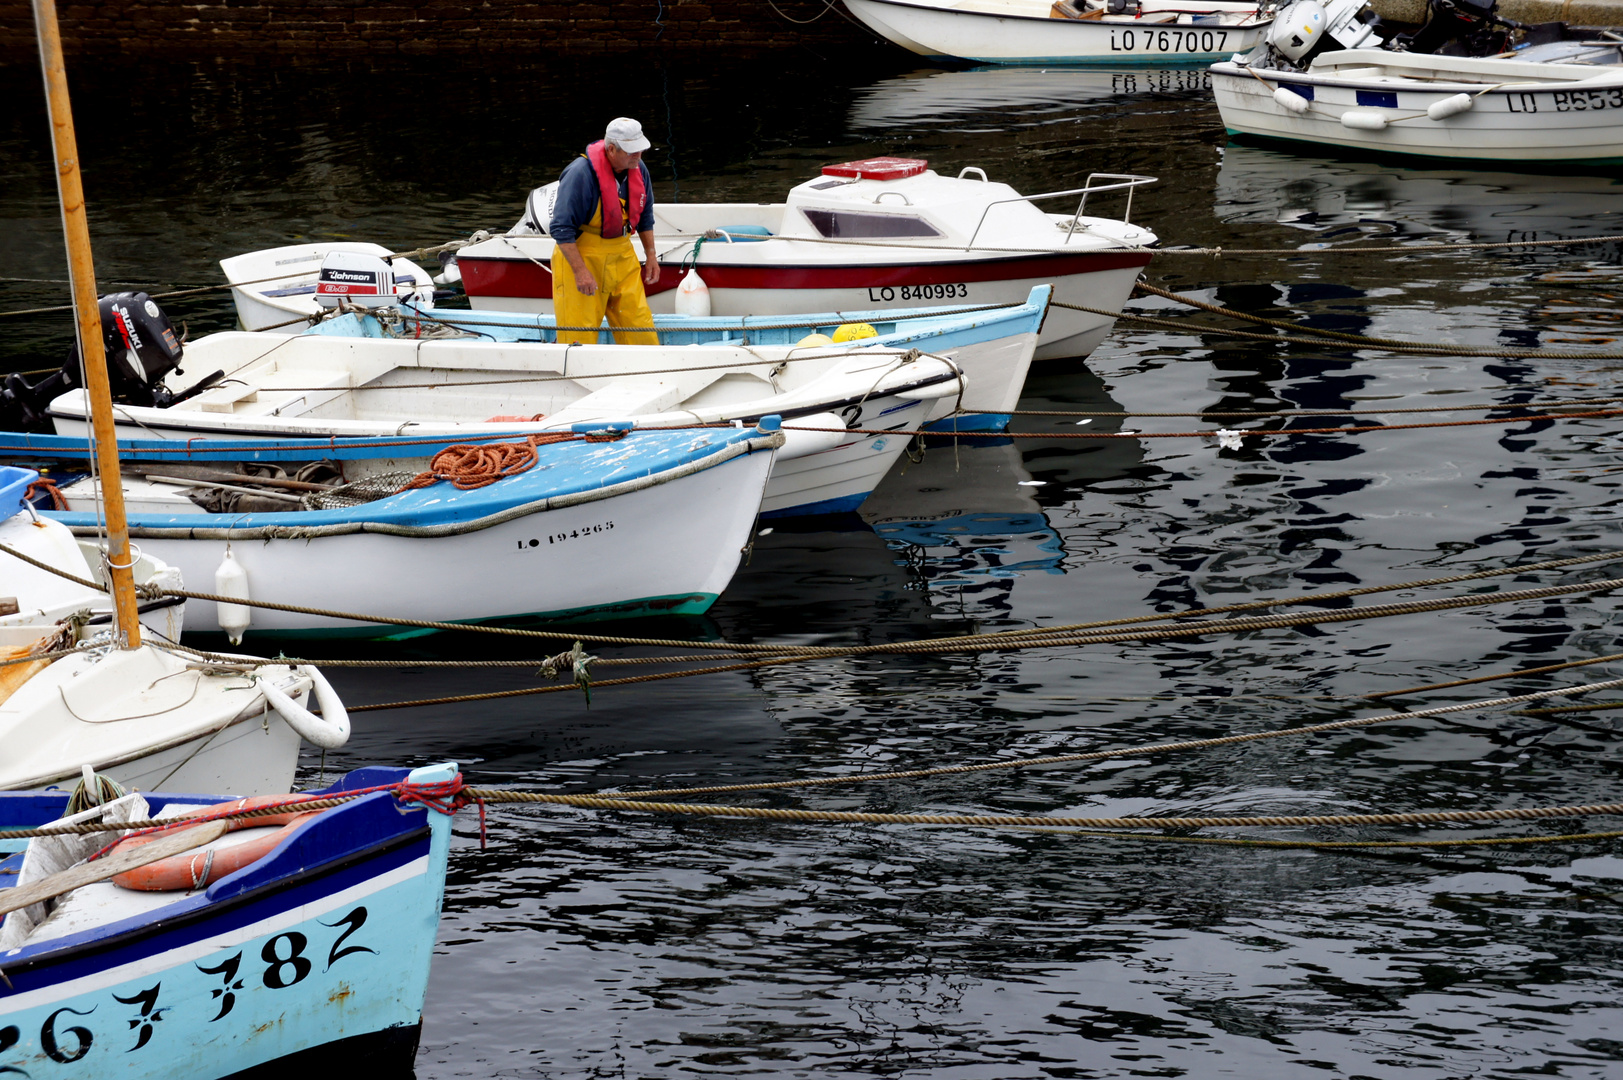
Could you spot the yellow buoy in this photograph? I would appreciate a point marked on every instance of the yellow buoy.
(814, 341)
(851, 331)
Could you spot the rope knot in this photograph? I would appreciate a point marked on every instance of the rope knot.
(444, 796)
(578, 662)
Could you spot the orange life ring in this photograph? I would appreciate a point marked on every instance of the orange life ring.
(201, 868)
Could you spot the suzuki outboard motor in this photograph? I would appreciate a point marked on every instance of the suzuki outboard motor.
(141, 349)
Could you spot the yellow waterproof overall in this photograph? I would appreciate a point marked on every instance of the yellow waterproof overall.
(619, 294)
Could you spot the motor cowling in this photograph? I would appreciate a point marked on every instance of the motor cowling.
(1460, 28)
(1308, 28)
(140, 342)
(141, 348)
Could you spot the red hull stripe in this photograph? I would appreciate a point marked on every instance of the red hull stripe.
(520, 277)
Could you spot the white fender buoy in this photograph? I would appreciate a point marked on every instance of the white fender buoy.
(230, 579)
(693, 296)
(1290, 100)
(330, 730)
(1452, 105)
(1363, 120)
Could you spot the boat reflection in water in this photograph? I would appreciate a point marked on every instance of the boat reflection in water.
(963, 521)
(1012, 98)
(1258, 185)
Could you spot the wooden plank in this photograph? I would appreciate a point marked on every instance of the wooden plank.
(117, 863)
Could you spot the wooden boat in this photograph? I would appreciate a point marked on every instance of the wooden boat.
(651, 522)
(1555, 101)
(315, 955)
(992, 348)
(275, 289)
(879, 233)
(1084, 32)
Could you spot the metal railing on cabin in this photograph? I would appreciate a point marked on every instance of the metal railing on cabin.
(1129, 182)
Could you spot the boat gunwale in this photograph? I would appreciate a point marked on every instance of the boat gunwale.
(200, 906)
(84, 523)
(1107, 20)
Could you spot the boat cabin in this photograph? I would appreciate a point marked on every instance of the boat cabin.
(886, 200)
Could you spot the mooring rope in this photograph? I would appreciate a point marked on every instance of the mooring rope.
(453, 795)
(989, 643)
(1372, 344)
(1066, 633)
(1219, 433)
(1571, 403)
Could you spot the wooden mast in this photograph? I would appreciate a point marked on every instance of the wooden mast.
(87, 308)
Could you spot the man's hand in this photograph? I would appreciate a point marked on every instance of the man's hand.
(585, 283)
(650, 266)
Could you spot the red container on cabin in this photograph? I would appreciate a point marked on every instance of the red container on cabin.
(878, 168)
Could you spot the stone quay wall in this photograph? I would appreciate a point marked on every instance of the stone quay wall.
(317, 28)
(328, 28)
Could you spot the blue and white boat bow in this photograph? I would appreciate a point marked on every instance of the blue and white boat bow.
(317, 955)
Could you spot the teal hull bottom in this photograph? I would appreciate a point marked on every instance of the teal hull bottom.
(646, 607)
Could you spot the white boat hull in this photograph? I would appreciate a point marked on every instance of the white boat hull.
(147, 719)
(291, 272)
(1066, 332)
(1023, 33)
(1520, 123)
(666, 548)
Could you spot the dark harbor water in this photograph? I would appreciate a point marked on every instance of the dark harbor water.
(586, 945)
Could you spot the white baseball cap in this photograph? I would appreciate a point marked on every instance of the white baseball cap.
(626, 133)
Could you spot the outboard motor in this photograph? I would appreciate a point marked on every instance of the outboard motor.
(141, 349)
(1309, 28)
(1460, 28)
(350, 278)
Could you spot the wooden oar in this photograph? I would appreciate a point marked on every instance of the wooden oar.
(75, 877)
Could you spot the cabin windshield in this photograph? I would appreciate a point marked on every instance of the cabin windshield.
(848, 224)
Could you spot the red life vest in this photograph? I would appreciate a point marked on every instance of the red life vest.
(614, 216)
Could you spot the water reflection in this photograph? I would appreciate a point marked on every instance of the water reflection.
(1009, 97)
(966, 519)
(1341, 200)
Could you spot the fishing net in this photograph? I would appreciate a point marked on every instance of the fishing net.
(368, 489)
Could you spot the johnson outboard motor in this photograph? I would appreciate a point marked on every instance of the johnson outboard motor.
(141, 349)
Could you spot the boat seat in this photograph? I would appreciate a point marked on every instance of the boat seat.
(622, 397)
(266, 397)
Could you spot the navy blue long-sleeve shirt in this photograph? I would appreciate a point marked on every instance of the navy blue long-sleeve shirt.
(578, 198)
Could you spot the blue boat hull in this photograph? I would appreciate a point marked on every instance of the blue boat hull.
(320, 949)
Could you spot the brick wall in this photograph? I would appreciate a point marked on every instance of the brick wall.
(421, 27)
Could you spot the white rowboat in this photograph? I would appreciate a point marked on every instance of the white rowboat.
(275, 289)
(1031, 31)
(1555, 103)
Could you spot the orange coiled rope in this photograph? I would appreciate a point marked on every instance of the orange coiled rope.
(44, 486)
(470, 466)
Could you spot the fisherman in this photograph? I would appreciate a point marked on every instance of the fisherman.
(602, 196)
